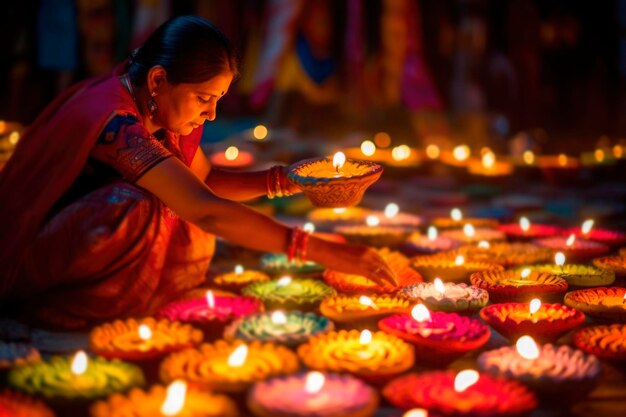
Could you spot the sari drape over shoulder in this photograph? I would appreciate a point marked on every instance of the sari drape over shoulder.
(48, 159)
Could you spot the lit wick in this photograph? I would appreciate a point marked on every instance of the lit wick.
(338, 160)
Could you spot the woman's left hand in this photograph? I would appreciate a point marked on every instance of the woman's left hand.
(286, 185)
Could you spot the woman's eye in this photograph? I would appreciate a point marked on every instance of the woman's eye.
(204, 101)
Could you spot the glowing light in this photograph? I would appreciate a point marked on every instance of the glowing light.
(527, 348)
(559, 258)
(618, 151)
(3, 125)
(144, 332)
(562, 159)
(365, 337)
(308, 227)
(175, 398)
(382, 139)
(433, 151)
(439, 287)
(338, 160)
(391, 210)
(586, 227)
(459, 260)
(570, 240)
(432, 233)
(524, 224)
(366, 301)
(260, 132)
(488, 159)
(469, 230)
(461, 152)
(599, 155)
(465, 379)
(400, 153)
(238, 269)
(456, 214)
(79, 363)
(283, 281)
(372, 220)
(416, 412)
(339, 210)
(14, 137)
(484, 244)
(528, 157)
(231, 153)
(420, 313)
(368, 148)
(278, 317)
(525, 273)
(534, 306)
(314, 382)
(210, 299)
(238, 357)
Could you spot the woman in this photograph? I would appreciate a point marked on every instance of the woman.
(113, 205)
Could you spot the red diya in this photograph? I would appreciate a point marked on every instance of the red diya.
(469, 234)
(578, 249)
(521, 285)
(607, 304)
(612, 264)
(467, 393)
(357, 284)
(232, 158)
(439, 338)
(545, 322)
(524, 230)
(15, 404)
(604, 341)
(450, 266)
(606, 236)
(211, 313)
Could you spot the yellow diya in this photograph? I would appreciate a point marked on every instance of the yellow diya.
(507, 254)
(361, 311)
(229, 366)
(576, 275)
(519, 285)
(374, 235)
(373, 356)
(239, 278)
(601, 303)
(142, 339)
(450, 266)
(604, 341)
(614, 264)
(357, 284)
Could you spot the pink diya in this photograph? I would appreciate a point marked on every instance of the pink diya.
(212, 313)
(556, 373)
(432, 242)
(439, 338)
(573, 248)
(605, 236)
(524, 230)
(521, 285)
(232, 158)
(607, 304)
(467, 393)
(605, 341)
(545, 322)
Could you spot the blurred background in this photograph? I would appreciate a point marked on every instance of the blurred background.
(481, 72)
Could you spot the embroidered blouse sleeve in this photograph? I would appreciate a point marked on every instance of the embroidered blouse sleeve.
(127, 147)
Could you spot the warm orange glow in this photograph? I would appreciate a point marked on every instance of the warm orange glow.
(465, 379)
(308, 227)
(314, 382)
(570, 240)
(599, 155)
(144, 332)
(339, 210)
(366, 301)
(338, 160)
(420, 313)
(528, 157)
(175, 398)
(14, 137)
(365, 337)
(469, 230)
(368, 148)
(461, 152)
(391, 210)
(488, 160)
(456, 214)
(525, 273)
(283, 281)
(534, 306)
(618, 151)
(278, 317)
(586, 227)
(527, 348)
(524, 224)
(559, 258)
(459, 260)
(260, 132)
(238, 357)
(238, 269)
(416, 412)
(210, 299)
(484, 244)
(231, 153)
(432, 233)
(79, 363)
(562, 159)
(439, 287)
(382, 139)
(400, 153)
(372, 220)
(433, 151)
(3, 125)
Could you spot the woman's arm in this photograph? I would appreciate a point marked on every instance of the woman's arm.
(182, 191)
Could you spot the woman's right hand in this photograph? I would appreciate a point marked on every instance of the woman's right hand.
(352, 259)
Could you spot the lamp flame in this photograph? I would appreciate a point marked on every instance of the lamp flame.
(144, 332)
(339, 210)
(489, 160)
(456, 214)
(238, 357)
(338, 160)
(459, 260)
(259, 132)
(365, 337)
(527, 348)
(484, 244)
(210, 299)
(524, 224)
(570, 240)
(433, 151)
(432, 233)
(469, 230)
(562, 159)
(586, 227)
(465, 379)
(416, 412)
(366, 301)
(283, 281)
(529, 157)
(79, 363)
(439, 287)
(525, 273)
(308, 227)
(175, 398)
(461, 152)
(278, 317)
(534, 305)
(368, 148)
(238, 269)
(372, 220)
(314, 382)
(420, 313)
(400, 153)
(231, 153)
(559, 258)
(391, 210)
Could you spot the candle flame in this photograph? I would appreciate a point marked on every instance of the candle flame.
(562, 159)
(527, 348)
(456, 214)
(391, 210)
(469, 230)
(420, 313)
(525, 273)
(459, 260)
(339, 210)
(368, 148)
(314, 382)
(484, 244)
(416, 412)
(79, 363)
(238, 269)
(238, 356)
(308, 227)
(465, 379)
(534, 305)
(175, 398)
(461, 152)
(365, 337)
(278, 317)
(439, 287)
(599, 155)
(529, 157)
(432, 233)
(210, 299)
(570, 240)
(559, 258)
(283, 281)
(432, 151)
(372, 220)
(260, 132)
(586, 227)
(400, 153)
(489, 160)
(231, 153)
(144, 332)
(338, 160)
(524, 224)
(366, 301)
(14, 137)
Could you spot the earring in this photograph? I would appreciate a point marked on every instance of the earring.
(152, 105)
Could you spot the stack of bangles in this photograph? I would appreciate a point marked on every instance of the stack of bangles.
(276, 186)
(298, 243)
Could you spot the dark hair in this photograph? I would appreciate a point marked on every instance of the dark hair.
(190, 48)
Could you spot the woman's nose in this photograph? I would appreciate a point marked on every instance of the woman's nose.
(210, 113)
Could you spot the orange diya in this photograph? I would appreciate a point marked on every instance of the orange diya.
(604, 341)
(506, 254)
(612, 265)
(357, 284)
(439, 338)
(521, 285)
(229, 366)
(362, 311)
(606, 304)
(545, 322)
(372, 356)
(239, 278)
(450, 266)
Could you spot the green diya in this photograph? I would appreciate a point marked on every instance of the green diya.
(288, 293)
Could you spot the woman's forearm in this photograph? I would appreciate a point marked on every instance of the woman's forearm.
(237, 186)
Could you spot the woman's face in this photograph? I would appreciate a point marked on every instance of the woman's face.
(184, 107)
